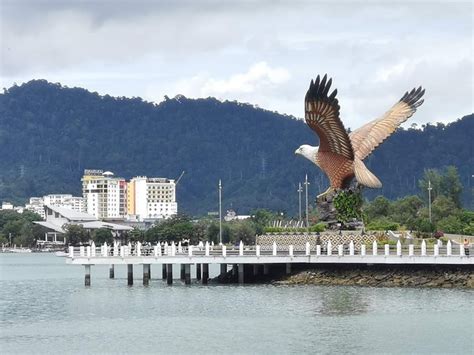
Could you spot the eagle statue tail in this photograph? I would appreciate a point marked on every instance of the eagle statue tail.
(364, 176)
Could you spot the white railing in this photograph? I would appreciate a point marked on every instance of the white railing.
(164, 250)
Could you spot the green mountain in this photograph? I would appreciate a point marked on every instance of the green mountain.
(50, 133)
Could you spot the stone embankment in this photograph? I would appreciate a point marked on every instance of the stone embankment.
(383, 277)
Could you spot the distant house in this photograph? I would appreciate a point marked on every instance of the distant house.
(58, 217)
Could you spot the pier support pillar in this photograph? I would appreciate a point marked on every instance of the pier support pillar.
(288, 268)
(111, 271)
(223, 270)
(187, 274)
(130, 274)
(182, 276)
(235, 270)
(241, 273)
(149, 271)
(146, 274)
(205, 273)
(198, 271)
(255, 269)
(266, 269)
(163, 271)
(169, 274)
(87, 276)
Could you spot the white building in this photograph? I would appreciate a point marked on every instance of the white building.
(105, 195)
(74, 203)
(58, 217)
(151, 198)
(7, 206)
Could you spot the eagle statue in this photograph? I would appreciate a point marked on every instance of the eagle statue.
(340, 154)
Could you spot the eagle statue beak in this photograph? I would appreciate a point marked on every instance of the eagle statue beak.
(297, 151)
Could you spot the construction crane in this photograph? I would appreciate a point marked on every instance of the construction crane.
(177, 180)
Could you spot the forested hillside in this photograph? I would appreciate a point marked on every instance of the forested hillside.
(49, 134)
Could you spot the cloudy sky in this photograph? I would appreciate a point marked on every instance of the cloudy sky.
(260, 52)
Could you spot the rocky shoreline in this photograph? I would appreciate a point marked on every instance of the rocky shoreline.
(371, 276)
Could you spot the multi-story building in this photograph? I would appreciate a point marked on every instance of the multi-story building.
(74, 203)
(151, 198)
(105, 194)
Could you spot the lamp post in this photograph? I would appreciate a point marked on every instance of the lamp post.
(306, 183)
(300, 190)
(220, 211)
(429, 199)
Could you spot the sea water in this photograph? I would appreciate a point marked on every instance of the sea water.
(45, 308)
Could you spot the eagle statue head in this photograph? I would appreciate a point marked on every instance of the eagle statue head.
(308, 151)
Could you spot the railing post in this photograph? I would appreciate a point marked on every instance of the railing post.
(88, 251)
(155, 250)
(190, 250)
(318, 250)
(374, 248)
(387, 249)
(173, 249)
(308, 249)
(207, 248)
(224, 251)
(329, 246)
(71, 252)
(423, 248)
(340, 250)
(241, 248)
(411, 250)
(116, 252)
(436, 250)
(257, 250)
(362, 250)
(274, 250)
(290, 250)
(351, 248)
(399, 248)
(461, 250)
(180, 248)
(449, 248)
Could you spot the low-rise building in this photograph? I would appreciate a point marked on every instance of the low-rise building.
(75, 203)
(58, 217)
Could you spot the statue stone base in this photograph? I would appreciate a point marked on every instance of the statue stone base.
(349, 216)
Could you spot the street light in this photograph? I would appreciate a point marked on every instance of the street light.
(429, 199)
(306, 183)
(220, 211)
(300, 190)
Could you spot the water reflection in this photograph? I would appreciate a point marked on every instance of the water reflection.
(341, 301)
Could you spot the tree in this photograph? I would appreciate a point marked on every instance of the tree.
(379, 207)
(103, 235)
(76, 234)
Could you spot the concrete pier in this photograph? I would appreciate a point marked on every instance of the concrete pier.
(223, 269)
(205, 273)
(241, 273)
(288, 268)
(255, 269)
(187, 274)
(163, 271)
(111, 271)
(198, 271)
(235, 270)
(130, 274)
(169, 274)
(182, 275)
(87, 276)
(146, 274)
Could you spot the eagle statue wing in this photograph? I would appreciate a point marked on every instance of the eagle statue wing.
(322, 115)
(368, 137)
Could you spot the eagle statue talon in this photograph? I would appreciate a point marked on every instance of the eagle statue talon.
(340, 154)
